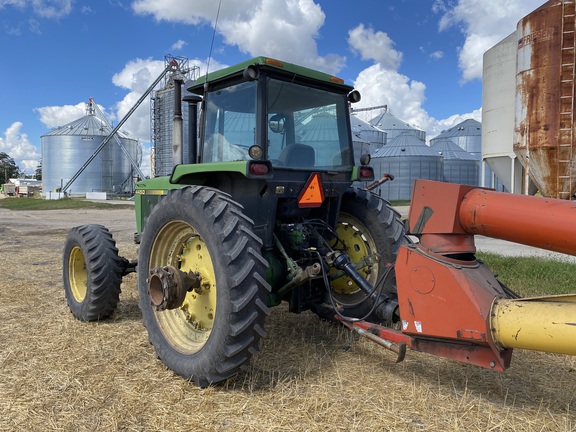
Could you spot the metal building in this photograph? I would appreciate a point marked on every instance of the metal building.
(66, 149)
(393, 126)
(459, 166)
(407, 158)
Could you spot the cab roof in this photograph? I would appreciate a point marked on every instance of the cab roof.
(270, 64)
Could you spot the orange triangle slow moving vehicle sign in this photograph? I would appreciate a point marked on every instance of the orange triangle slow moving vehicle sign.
(313, 194)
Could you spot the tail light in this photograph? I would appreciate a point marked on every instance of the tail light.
(365, 173)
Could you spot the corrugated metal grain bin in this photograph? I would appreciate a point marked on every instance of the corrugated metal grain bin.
(162, 112)
(67, 148)
(407, 158)
(459, 166)
(393, 126)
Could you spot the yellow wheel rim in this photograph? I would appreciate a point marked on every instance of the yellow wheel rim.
(188, 327)
(77, 274)
(359, 244)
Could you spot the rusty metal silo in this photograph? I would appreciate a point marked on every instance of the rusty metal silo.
(544, 129)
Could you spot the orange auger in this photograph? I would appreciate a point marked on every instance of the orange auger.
(451, 304)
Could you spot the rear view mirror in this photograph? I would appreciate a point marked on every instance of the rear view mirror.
(277, 123)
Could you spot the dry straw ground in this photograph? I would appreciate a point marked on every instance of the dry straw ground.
(59, 374)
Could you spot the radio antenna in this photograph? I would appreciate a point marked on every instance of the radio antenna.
(213, 35)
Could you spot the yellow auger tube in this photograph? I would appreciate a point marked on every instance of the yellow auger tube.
(540, 324)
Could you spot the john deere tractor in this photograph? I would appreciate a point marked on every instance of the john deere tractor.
(263, 212)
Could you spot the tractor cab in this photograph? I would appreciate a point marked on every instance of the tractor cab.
(267, 110)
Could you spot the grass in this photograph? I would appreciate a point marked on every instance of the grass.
(62, 204)
(532, 276)
(397, 203)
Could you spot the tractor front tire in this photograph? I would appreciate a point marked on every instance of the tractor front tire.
(92, 272)
(217, 328)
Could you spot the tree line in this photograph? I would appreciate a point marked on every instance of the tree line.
(9, 169)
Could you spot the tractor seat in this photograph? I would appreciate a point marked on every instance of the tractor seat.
(298, 156)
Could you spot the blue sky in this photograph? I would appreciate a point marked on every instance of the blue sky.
(421, 57)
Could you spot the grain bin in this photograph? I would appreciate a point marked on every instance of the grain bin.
(459, 166)
(367, 132)
(407, 158)
(162, 115)
(544, 120)
(68, 147)
(365, 137)
(317, 129)
(162, 110)
(468, 136)
(393, 126)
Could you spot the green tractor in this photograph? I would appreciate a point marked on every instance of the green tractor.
(264, 212)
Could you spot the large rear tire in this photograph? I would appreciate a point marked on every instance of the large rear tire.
(92, 272)
(369, 227)
(217, 328)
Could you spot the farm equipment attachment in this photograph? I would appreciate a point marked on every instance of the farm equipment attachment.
(270, 208)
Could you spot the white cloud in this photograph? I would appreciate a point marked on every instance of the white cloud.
(136, 77)
(15, 144)
(185, 11)
(282, 29)
(52, 9)
(374, 45)
(34, 26)
(54, 116)
(178, 45)
(381, 85)
(285, 29)
(437, 55)
(21, 4)
(404, 97)
(484, 24)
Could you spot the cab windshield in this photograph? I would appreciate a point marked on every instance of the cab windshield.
(305, 127)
